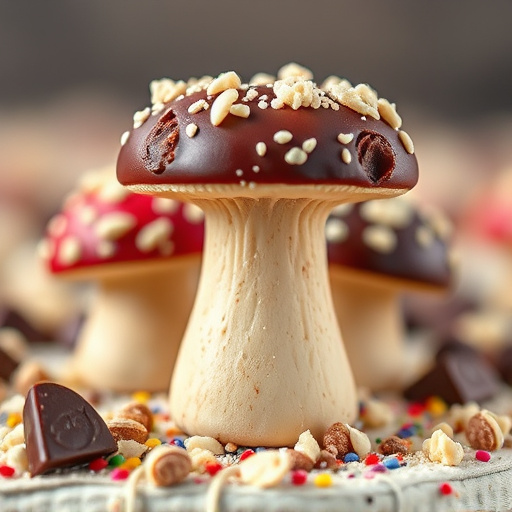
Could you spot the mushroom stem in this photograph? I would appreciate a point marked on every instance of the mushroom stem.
(371, 320)
(262, 359)
(132, 333)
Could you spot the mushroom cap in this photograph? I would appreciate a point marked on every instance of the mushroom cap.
(286, 132)
(392, 239)
(102, 225)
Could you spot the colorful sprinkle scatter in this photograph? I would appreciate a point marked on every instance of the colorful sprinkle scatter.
(372, 459)
(116, 461)
(392, 463)
(212, 468)
(351, 457)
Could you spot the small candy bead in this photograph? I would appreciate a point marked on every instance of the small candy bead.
(323, 480)
(351, 457)
(98, 464)
(212, 468)
(142, 397)
(152, 442)
(119, 474)
(246, 454)
(130, 463)
(13, 419)
(176, 441)
(436, 406)
(392, 463)
(373, 458)
(7, 471)
(299, 477)
(482, 456)
(116, 461)
(445, 489)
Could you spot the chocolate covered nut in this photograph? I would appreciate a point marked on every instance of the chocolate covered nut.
(62, 429)
(483, 432)
(138, 412)
(337, 440)
(300, 461)
(127, 429)
(392, 445)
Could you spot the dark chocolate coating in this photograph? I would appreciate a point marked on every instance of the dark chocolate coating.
(409, 261)
(7, 365)
(458, 377)
(160, 152)
(62, 429)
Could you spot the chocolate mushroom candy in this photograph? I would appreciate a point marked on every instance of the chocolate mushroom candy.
(376, 250)
(144, 253)
(262, 358)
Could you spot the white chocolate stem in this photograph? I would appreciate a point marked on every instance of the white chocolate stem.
(132, 334)
(262, 359)
(373, 330)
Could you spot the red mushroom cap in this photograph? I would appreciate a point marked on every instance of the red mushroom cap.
(392, 238)
(104, 224)
(287, 132)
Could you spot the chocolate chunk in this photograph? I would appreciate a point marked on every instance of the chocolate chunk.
(7, 365)
(376, 156)
(459, 376)
(62, 429)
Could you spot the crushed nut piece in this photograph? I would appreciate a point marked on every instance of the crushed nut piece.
(197, 106)
(262, 104)
(440, 448)
(346, 156)
(345, 138)
(294, 70)
(282, 137)
(129, 448)
(295, 92)
(388, 113)
(360, 442)
(361, 98)
(300, 461)
(296, 156)
(265, 469)
(165, 90)
(124, 428)
(191, 129)
(262, 79)
(337, 440)
(124, 138)
(380, 238)
(240, 110)
(205, 443)
(140, 117)
(406, 141)
(138, 412)
(222, 105)
(261, 148)
(335, 81)
(483, 432)
(250, 95)
(309, 145)
(308, 445)
(392, 445)
(223, 82)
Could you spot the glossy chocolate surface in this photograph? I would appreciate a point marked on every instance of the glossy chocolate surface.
(160, 152)
(62, 429)
(409, 260)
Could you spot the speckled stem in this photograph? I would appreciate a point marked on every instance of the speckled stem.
(262, 359)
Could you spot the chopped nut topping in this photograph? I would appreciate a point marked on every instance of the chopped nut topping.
(124, 137)
(406, 141)
(388, 113)
(360, 98)
(140, 117)
(395, 213)
(197, 106)
(165, 90)
(296, 92)
(261, 148)
(223, 82)
(440, 448)
(262, 104)
(191, 129)
(239, 172)
(154, 235)
(336, 230)
(296, 156)
(251, 94)
(393, 445)
(337, 82)
(294, 70)
(240, 110)
(70, 251)
(380, 238)
(309, 145)
(346, 156)
(198, 84)
(282, 137)
(256, 168)
(345, 138)
(308, 445)
(115, 225)
(424, 236)
(262, 79)
(222, 105)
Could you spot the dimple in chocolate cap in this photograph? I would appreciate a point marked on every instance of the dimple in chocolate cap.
(289, 132)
